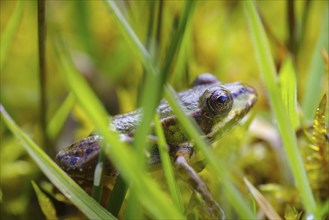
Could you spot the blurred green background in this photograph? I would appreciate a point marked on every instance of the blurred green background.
(217, 42)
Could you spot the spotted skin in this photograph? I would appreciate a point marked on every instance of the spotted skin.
(79, 159)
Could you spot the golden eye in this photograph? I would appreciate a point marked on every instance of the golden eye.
(220, 101)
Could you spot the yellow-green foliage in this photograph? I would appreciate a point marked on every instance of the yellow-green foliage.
(111, 57)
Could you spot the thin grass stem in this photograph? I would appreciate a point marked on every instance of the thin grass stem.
(42, 75)
(117, 196)
(267, 68)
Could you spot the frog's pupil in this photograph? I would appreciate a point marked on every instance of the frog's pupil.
(222, 99)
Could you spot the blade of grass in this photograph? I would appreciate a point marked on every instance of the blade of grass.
(316, 71)
(324, 209)
(130, 35)
(83, 28)
(167, 166)
(133, 211)
(149, 44)
(8, 34)
(45, 203)
(302, 24)
(56, 123)
(262, 201)
(56, 175)
(122, 157)
(266, 65)
(117, 196)
(139, 144)
(42, 75)
(288, 86)
(291, 21)
(148, 101)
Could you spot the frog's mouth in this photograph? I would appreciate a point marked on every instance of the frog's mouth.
(244, 98)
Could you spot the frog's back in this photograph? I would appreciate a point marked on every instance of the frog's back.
(189, 99)
(126, 123)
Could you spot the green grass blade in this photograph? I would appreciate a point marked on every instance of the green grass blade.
(124, 159)
(131, 37)
(177, 38)
(133, 210)
(324, 209)
(8, 34)
(57, 122)
(288, 86)
(148, 99)
(316, 72)
(166, 165)
(117, 196)
(82, 24)
(41, 8)
(56, 175)
(45, 203)
(266, 65)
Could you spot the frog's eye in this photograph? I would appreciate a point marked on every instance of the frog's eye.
(220, 101)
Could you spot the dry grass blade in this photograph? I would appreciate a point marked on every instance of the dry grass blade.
(265, 206)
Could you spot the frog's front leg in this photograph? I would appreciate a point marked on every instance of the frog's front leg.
(184, 169)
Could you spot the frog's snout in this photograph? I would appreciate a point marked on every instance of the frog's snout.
(251, 96)
(252, 92)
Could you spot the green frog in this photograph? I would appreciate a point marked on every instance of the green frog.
(216, 108)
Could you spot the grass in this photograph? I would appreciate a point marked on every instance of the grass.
(145, 196)
(8, 34)
(316, 70)
(286, 130)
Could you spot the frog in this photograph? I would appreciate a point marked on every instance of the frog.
(215, 107)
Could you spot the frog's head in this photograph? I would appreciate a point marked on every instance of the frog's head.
(222, 106)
